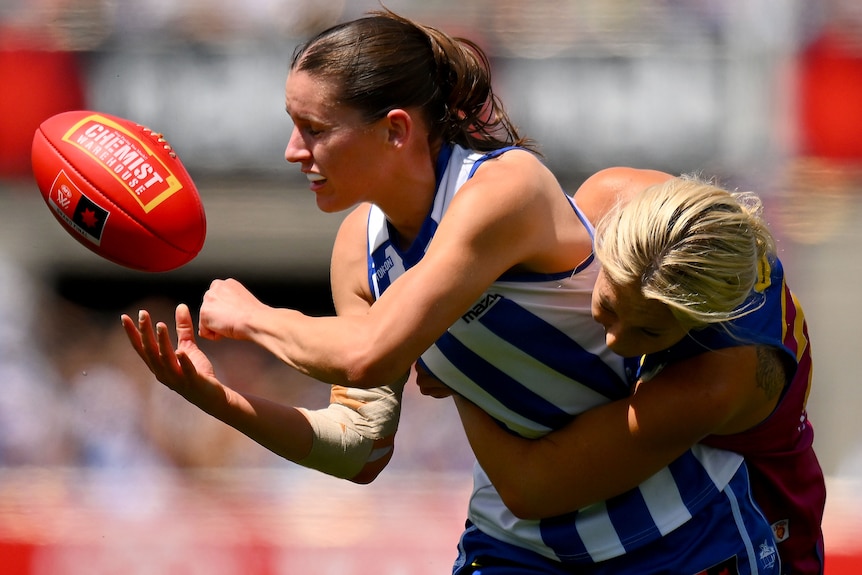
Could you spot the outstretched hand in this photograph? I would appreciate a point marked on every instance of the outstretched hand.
(188, 371)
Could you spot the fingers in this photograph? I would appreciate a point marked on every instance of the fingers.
(146, 330)
(181, 369)
(140, 335)
(185, 325)
(187, 366)
(131, 331)
(167, 355)
(430, 385)
(152, 343)
(207, 333)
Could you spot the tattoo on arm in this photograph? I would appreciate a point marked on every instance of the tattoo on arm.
(771, 375)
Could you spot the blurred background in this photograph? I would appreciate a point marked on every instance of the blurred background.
(104, 471)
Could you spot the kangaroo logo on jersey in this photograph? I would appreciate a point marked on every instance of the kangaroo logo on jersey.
(768, 554)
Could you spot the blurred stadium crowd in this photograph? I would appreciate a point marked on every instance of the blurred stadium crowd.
(75, 394)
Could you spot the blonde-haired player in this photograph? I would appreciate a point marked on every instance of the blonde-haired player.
(692, 291)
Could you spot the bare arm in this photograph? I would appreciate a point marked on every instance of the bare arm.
(503, 218)
(614, 447)
(187, 371)
(365, 345)
(353, 438)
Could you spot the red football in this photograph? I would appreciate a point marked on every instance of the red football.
(119, 189)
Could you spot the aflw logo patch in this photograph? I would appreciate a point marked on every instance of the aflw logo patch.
(77, 211)
(481, 307)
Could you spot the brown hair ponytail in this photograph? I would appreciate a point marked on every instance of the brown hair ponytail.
(384, 61)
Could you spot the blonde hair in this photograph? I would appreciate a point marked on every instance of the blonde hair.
(689, 244)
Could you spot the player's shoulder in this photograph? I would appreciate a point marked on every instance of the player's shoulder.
(515, 173)
(509, 163)
(354, 225)
(621, 181)
(610, 186)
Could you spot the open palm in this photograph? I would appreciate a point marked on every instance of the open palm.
(186, 370)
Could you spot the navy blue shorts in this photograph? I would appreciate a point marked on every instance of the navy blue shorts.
(730, 537)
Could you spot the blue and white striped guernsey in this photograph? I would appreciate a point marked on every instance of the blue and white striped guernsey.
(530, 354)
